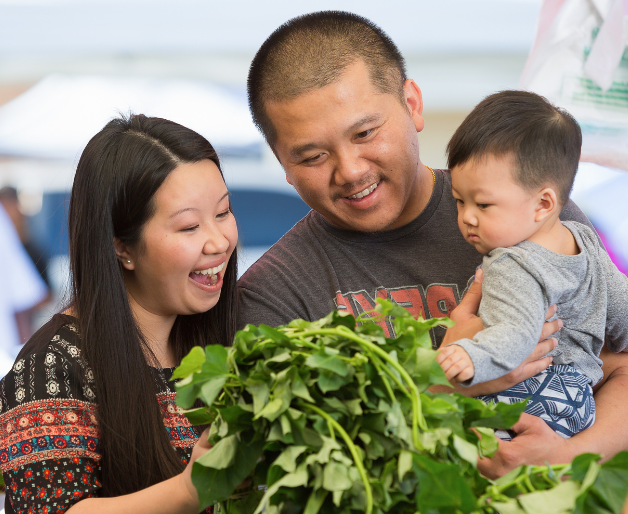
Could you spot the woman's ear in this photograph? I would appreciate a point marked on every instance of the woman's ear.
(547, 204)
(123, 255)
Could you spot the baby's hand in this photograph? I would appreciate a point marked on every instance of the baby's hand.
(456, 363)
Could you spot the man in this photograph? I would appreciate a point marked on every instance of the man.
(330, 94)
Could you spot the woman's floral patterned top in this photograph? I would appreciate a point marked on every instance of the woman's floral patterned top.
(48, 426)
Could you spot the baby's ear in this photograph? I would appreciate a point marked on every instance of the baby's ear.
(547, 204)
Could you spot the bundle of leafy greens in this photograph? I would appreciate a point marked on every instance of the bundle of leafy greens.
(332, 417)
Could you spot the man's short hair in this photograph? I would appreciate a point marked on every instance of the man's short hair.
(544, 140)
(311, 51)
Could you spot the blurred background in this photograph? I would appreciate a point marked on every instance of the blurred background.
(68, 66)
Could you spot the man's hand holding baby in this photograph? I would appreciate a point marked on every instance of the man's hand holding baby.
(456, 363)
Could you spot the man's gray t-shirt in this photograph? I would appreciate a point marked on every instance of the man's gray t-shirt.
(315, 268)
(522, 281)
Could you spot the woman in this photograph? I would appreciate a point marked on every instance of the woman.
(88, 420)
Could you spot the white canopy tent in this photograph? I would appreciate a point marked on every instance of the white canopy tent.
(56, 118)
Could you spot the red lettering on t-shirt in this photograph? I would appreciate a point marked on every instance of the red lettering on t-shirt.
(367, 304)
(441, 299)
(343, 303)
(409, 298)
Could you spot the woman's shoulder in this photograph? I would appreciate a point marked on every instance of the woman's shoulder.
(49, 367)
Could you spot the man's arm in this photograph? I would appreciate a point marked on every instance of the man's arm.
(536, 443)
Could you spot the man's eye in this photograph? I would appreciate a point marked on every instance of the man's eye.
(313, 159)
(363, 134)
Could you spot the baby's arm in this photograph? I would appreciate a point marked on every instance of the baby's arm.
(456, 363)
(513, 310)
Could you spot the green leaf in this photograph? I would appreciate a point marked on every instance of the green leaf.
(221, 455)
(559, 500)
(272, 333)
(299, 388)
(508, 507)
(329, 381)
(441, 486)
(200, 416)
(423, 368)
(191, 363)
(398, 426)
(488, 441)
(466, 450)
(296, 479)
(272, 410)
(581, 463)
(315, 501)
(324, 360)
(211, 389)
(322, 456)
(245, 505)
(405, 463)
(336, 477)
(287, 460)
(611, 484)
(215, 360)
(260, 392)
(214, 485)
(342, 318)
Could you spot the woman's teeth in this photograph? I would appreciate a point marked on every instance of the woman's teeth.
(364, 193)
(211, 271)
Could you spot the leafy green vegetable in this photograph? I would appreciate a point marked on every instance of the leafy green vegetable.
(333, 417)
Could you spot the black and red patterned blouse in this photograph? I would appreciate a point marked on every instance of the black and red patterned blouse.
(48, 429)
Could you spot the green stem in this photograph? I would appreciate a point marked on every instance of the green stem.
(417, 417)
(382, 375)
(352, 448)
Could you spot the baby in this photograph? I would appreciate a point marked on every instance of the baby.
(513, 161)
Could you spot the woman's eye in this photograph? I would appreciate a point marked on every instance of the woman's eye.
(189, 229)
(224, 214)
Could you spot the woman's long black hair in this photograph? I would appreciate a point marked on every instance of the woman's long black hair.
(116, 179)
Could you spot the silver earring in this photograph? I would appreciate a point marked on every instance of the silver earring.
(128, 262)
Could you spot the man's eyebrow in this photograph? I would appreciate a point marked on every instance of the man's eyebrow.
(186, 209)
(369, 118)
(297, 151)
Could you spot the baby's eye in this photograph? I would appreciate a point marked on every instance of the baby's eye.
(459, 202)
(482, 205)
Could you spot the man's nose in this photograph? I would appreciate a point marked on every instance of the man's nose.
(350, 166)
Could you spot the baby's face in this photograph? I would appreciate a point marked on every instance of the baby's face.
(493, 210)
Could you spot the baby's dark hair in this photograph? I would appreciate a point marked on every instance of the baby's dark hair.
(544, 140)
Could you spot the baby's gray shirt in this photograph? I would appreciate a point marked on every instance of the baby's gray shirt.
(522, 281)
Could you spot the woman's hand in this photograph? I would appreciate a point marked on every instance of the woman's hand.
(200, 448)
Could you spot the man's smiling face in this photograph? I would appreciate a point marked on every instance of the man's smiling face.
(352, 152)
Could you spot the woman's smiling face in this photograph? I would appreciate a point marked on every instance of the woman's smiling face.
(179, 264)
